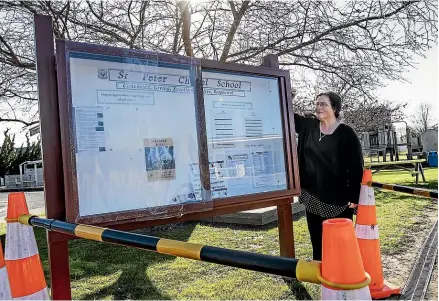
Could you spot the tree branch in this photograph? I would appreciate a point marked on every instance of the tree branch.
(330, 30)
(18, 121)
(177, 31)
(186, 17)
(11, 52)
(237, 17)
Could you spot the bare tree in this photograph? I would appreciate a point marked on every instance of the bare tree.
(362, 116)
(422, 119)
(372, 117)
(351, 47)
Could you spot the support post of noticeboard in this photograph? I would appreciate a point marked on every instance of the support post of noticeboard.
(52, 162)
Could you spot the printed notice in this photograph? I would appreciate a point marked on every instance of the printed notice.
(226, 84)
(217, 183)
(223, 92)
(232, 105)
(159, 157)
(253, 127)
(125, 97)
(90, 129)
(262, 168)
(223, 130)
(153, 87)
(237, 165)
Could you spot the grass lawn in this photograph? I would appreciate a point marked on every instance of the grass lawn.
(103, 271)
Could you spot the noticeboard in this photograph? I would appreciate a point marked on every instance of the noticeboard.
(152, 136)
(84, 116)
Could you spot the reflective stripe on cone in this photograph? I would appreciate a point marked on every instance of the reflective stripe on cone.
(367, 197)
(358, 294)
(5, 289)
(19, 235)
(366, 232)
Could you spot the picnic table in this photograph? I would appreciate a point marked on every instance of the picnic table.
(416, 170)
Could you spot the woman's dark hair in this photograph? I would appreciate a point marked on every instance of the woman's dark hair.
(335, 100)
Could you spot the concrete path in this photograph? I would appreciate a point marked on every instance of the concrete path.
(35, 203)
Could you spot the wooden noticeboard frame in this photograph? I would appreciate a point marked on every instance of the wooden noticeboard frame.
(53, 121)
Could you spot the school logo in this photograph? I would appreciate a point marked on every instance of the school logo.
(103, 73)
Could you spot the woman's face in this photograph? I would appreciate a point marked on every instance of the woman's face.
(324, 109)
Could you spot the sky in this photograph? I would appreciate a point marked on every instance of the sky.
(422, 86)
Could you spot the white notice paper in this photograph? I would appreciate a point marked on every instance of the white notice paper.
(90, 129)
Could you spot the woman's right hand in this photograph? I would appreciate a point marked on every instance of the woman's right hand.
(352, 205)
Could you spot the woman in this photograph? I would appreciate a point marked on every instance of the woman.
(330, 166)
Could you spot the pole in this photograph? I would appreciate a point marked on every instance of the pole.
(35, 173)
(405, 189)
(21, 175)
(389, 142)
(408, 141)
(409, 144)
(52, 159)
(302, 270)
(395, 144)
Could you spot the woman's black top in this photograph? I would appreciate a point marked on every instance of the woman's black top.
(330, 169)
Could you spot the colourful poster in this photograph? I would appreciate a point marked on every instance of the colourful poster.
(159, 157)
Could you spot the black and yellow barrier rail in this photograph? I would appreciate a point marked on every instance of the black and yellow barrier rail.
(302, 270)
(405, 189)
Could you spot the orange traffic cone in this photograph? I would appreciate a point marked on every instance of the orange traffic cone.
(366, 229)
(5, 288)
(342, 273)
(22, 259)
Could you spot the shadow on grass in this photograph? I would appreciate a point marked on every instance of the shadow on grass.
(298, 290)
(431, 185)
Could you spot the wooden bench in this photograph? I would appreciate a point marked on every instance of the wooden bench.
(415, 171)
